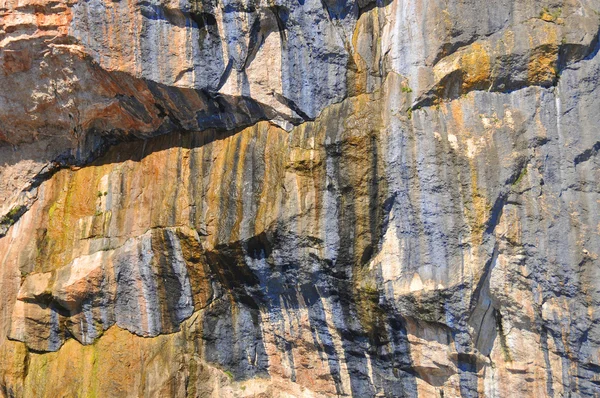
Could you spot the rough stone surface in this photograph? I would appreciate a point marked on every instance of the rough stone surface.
(313, 198)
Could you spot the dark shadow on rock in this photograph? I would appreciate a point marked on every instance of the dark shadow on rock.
(233, 340)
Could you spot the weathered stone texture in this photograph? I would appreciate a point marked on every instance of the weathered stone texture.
(308, 198)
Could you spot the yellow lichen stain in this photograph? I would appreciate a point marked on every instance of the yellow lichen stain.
(14, 358)
(552, 15)
(542, 68)
(542, 64)
(304, 160)
(475, 64)
(463, 71)
(480, 209)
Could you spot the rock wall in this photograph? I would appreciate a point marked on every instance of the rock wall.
(315, 198)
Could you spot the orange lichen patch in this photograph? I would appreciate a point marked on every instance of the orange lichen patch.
(446, 17)
(357, 77)
(455, 111)
(542, 65)
(464, 70)
(546, 16)
(475, 64)
(552, 15)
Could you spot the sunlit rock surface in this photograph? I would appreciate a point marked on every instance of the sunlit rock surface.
(299, 199)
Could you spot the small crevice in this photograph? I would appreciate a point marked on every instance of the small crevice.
(502, 336)
(487, 269)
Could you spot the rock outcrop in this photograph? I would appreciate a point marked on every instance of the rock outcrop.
(299, 198)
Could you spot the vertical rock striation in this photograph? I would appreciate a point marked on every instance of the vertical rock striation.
(313, 198)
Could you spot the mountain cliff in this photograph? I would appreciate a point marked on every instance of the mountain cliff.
(299, 198)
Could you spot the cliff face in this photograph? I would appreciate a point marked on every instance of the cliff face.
(299, 198)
